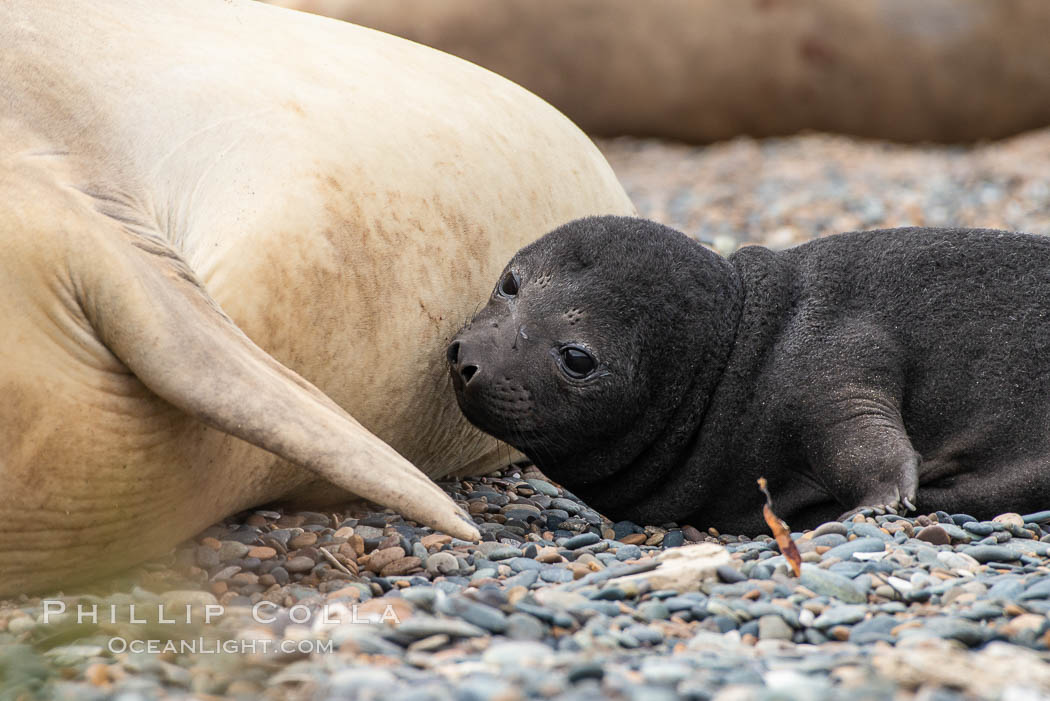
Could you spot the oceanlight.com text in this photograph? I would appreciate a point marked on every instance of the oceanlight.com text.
(205, 646)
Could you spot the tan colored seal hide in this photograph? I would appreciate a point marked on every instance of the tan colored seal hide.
(704, 70)
(230, 267)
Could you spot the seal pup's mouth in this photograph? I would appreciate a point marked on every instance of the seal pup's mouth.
(494, 402)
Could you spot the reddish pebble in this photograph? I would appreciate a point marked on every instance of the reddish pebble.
(935, 535)
(435, 540)
(400, 566)
(97, 674)
(262, 552)
(302, 540)
(692, 534)
(381, 558)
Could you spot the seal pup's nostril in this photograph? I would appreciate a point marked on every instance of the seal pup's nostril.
(452, 353)
(468, 372)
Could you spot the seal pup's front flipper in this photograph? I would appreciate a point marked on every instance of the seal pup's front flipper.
(861, 452)
(147, 306)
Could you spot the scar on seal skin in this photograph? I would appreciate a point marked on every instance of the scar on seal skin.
(892, 369)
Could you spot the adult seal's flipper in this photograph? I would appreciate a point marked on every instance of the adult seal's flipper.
(147, 306)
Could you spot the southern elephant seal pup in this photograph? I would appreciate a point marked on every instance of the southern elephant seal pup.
(659, 380)
(231, 265)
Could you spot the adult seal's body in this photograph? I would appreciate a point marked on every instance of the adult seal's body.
(659, 380)
(708, 70)
(235, 242)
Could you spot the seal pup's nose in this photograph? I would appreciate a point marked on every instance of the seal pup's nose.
(466, 371)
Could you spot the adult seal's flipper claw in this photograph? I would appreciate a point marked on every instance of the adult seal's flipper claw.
(173, 336)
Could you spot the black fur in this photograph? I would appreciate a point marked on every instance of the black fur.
(867, 368)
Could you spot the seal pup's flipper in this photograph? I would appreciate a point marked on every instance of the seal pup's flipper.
(866, 460)
(147, 306)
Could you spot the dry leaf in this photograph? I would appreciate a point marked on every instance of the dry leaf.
(780, 531)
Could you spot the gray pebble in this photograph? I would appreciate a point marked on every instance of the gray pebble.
(582, 540)
(280, 575)
(625, 528)
(860, 545)
(424, 626)
(498, 551)
(518, 655)
(1007, 587)
(483, 573)
(520, 564)
(979, 528)
(872, 629)
(606, 608)
(991, 553)
(730, 574)
(761, 572)
(559, 575)
(483, 616)
(983, 611)
(442, 563)
(207, 558)
(366, 532)
(673, 539)
(523, 579)
(829, 540)
(421, 597)
(300, 563)
(232, 550)
(449, 586)
(543, 487)
(966, 632)
(831, 584)
(522, 626)
(1038, 589)
(665, 672)
(773, 627)
(566, 505)
(653, 611)
(867, 530)
(644, 634)
(628, 552)
(840, 615)
(831, 527)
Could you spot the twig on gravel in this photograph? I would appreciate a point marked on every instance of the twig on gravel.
(338, 565)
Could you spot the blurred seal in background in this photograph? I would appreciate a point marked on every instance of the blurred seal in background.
(705, 70)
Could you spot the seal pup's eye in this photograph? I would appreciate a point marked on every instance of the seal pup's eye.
(577, 362)
(508, 286)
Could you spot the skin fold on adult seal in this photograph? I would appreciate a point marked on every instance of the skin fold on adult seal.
(894, 369)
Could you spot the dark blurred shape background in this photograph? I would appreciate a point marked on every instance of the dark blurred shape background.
(706, 70)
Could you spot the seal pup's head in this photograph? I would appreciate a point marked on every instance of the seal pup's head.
(598, 351)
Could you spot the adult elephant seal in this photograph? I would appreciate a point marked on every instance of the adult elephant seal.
(881, 368)
(704, 70)
(236, 241)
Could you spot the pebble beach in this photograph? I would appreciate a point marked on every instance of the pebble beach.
(558, 602)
